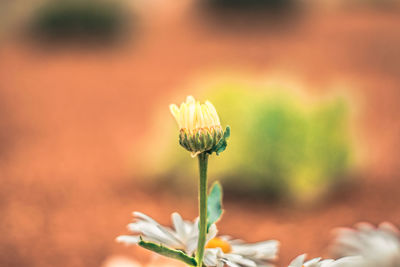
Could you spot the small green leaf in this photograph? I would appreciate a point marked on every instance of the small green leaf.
(227, 132)
(168, 252)
(214, 204)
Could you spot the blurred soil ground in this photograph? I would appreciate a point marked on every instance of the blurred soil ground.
(74, 119)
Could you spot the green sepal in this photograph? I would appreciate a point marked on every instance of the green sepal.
(210, 140)
(168, 252)
(214, 204)
(221, 146)
(191, 142)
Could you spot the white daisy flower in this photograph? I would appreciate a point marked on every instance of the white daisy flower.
(317, 262)
(184, 236)
(219, 251)
(379, 246)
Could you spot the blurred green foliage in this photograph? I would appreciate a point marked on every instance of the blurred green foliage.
(66, 19)
(281, 145)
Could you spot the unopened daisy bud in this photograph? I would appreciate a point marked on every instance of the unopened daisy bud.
(200, 128)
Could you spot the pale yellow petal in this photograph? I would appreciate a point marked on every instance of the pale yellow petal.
(207, 116)
(175, 111)
(191, 114)
(199, 116)
(213, 112)
(190, 100)
(191, 110)
(183, 115)
(188, 120)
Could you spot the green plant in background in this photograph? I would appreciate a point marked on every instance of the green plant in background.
(88, 19)
(283, 146)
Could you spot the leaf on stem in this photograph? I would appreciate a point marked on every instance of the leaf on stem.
(168, 252)
(214, 204)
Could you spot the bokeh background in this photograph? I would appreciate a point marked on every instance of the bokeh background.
(310, 89)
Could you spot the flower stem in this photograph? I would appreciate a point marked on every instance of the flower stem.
(203, 161)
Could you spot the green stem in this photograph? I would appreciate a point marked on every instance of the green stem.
(203, 161)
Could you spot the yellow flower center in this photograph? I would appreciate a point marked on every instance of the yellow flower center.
(219, 243)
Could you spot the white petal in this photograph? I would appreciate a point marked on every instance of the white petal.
(179, 225)
(231, 264)
(210, 257)
(128, 239)
(212, 232)
(364, 226)
(315, 262)
(175, 241)
(266, 250)
(298, 261)
(144, 217)
(389, 227)
(240, 260)
(153, 233)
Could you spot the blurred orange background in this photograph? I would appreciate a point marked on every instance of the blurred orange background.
(76, 120)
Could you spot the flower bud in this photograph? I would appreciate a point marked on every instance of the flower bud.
(200, 128)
